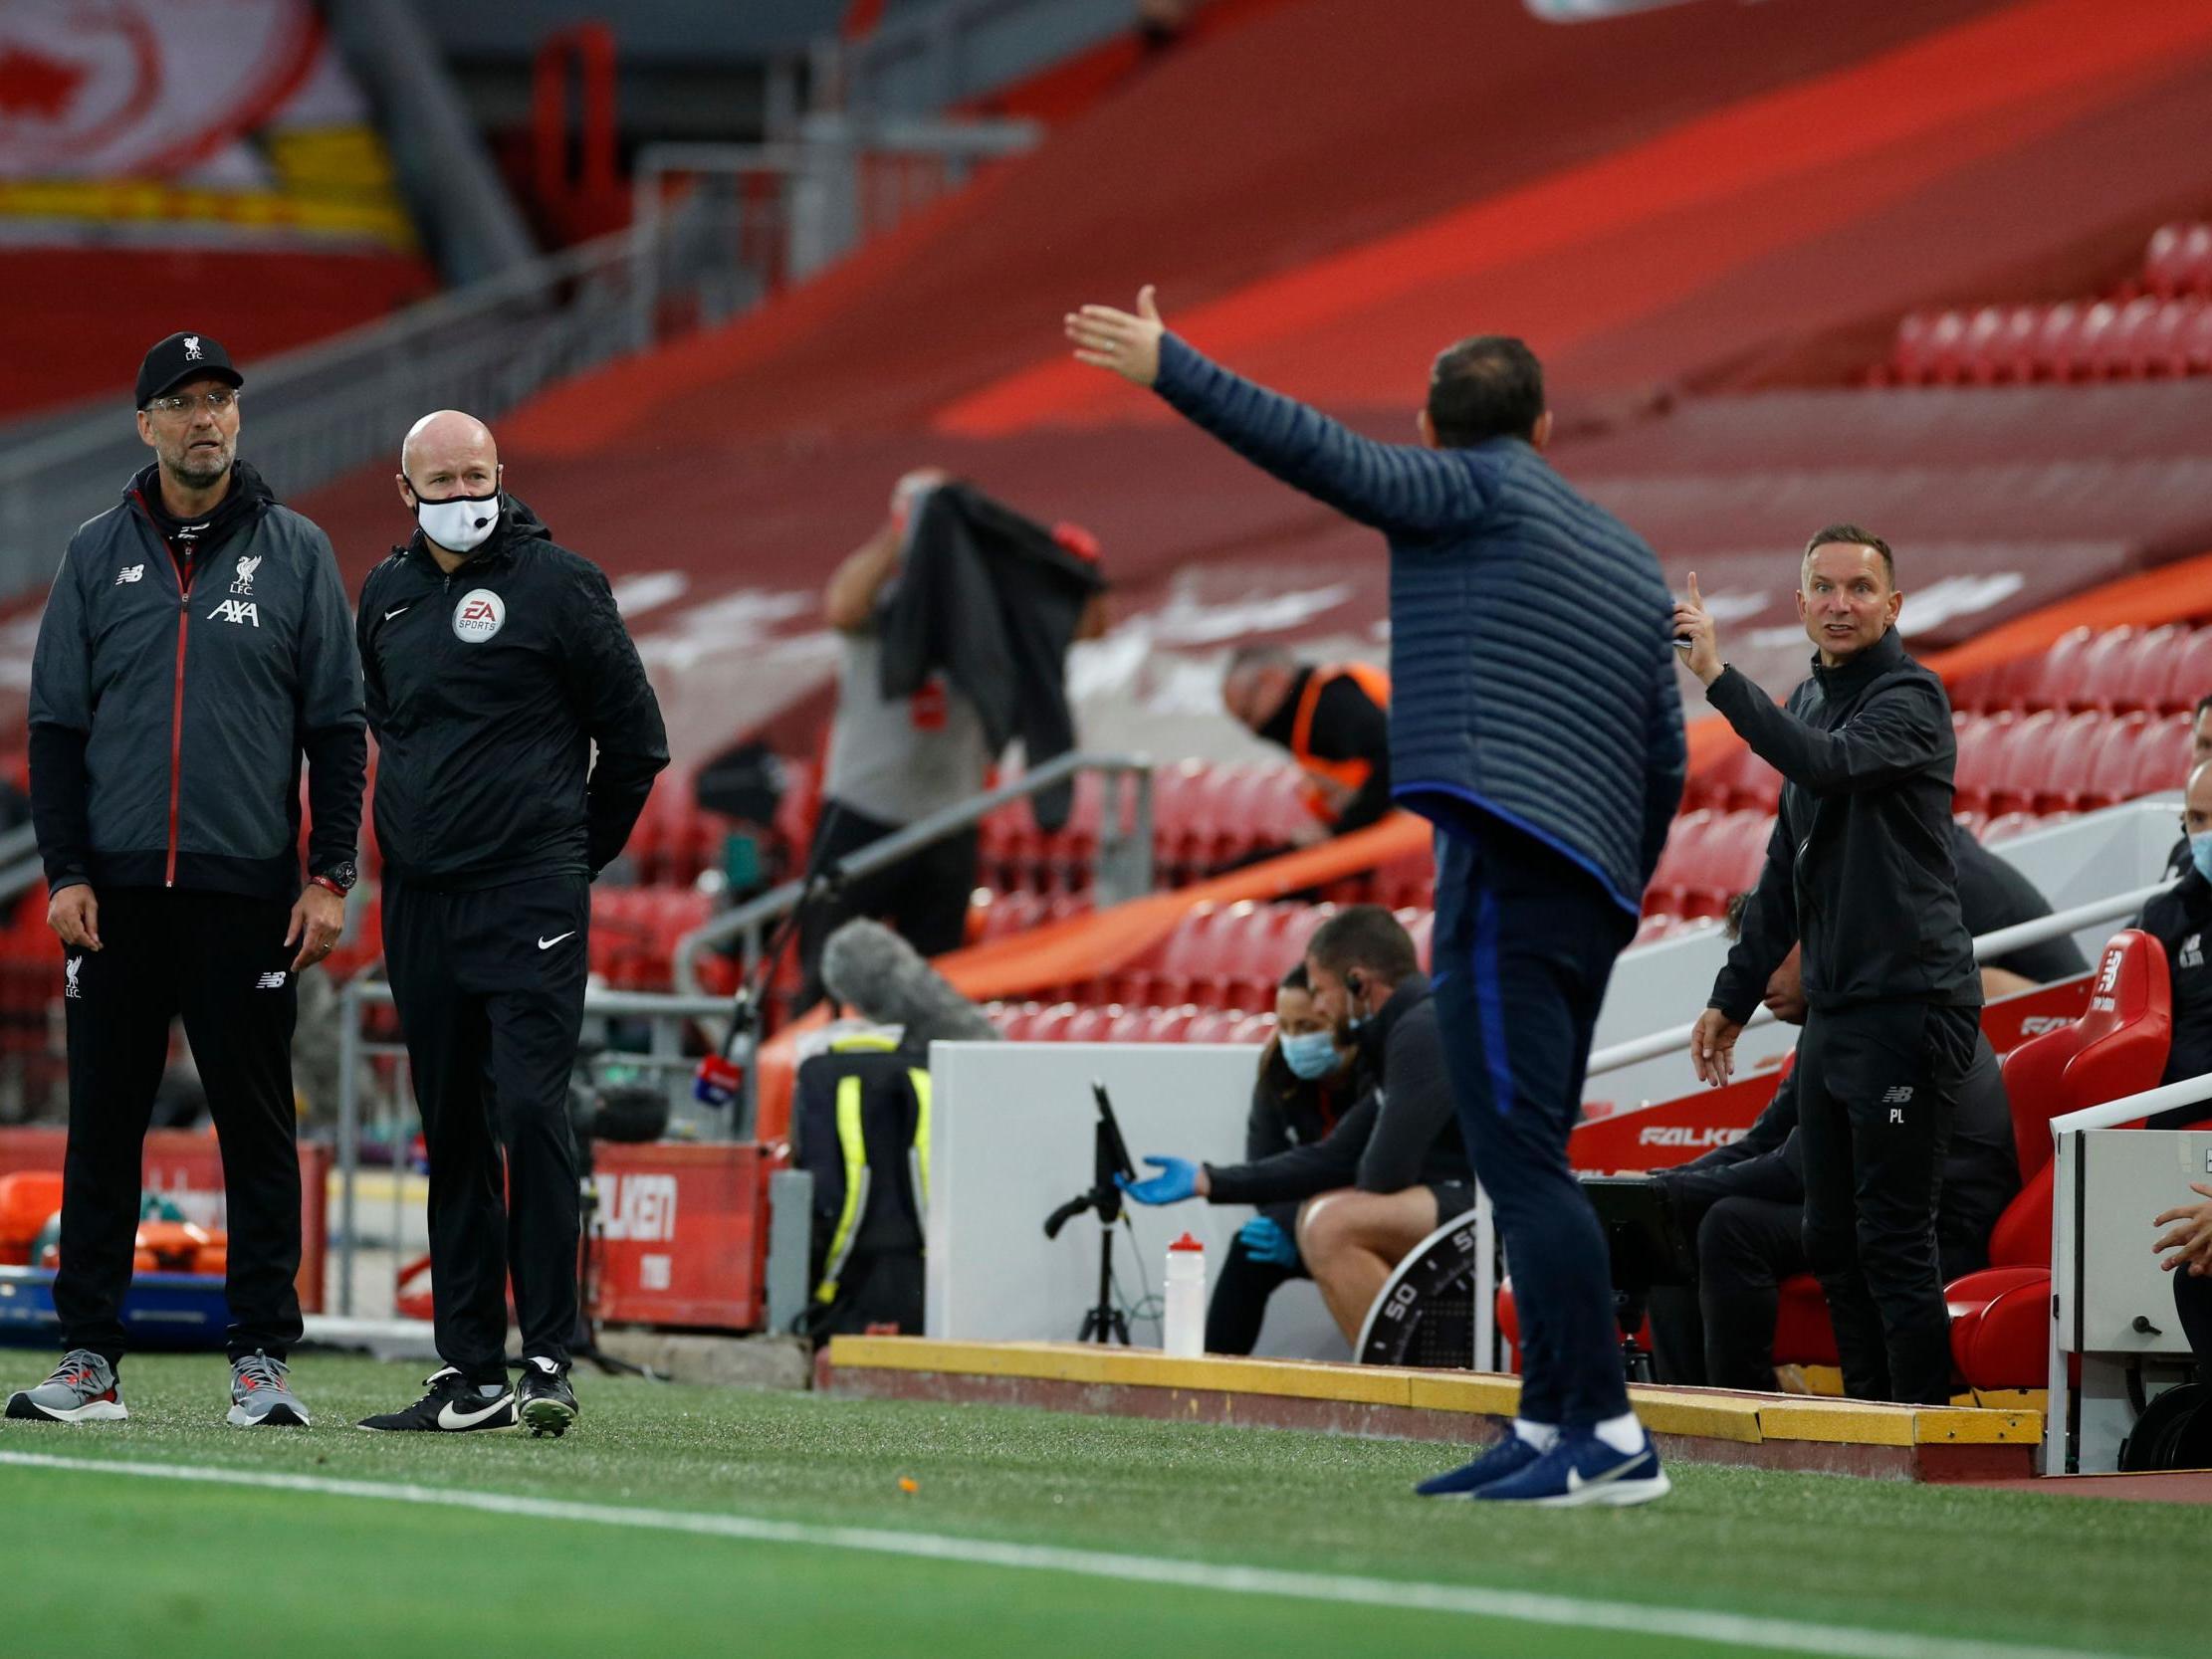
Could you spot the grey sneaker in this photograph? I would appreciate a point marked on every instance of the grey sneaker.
(260, 1395)
(82, 1390)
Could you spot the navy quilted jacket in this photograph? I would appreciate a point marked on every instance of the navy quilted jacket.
(1532, 674)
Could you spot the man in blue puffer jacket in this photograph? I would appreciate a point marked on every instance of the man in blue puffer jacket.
(1535, 720)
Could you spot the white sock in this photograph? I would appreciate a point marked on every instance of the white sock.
(1543, 1436)
(1623, 1433)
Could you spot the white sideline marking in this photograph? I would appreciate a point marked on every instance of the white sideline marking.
(1401, 1595)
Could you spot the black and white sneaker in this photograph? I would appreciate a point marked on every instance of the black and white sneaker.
(454, 1405)
(548, 1403)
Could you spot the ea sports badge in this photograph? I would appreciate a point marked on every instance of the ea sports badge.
(480, 614)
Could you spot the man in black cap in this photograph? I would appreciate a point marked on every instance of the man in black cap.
(195, 649)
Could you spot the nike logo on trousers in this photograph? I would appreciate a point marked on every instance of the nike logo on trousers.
(549, 944)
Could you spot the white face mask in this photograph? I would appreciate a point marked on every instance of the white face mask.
(459, 523)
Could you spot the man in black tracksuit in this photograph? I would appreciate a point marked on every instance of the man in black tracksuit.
(1744, 1205)
(193, 652)
(495, 661)
(1859, 870)
(2180, 918)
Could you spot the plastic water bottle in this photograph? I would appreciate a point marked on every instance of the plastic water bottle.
(1183, 1322)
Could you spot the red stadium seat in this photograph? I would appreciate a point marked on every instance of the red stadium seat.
(2141, 682)
(1980, 751)
(2162, 757)
(2019, 770)
(2062, 765)
(2098, 672)
(2111, 772)
(2191, 676)
(2179, 260)
(2194, 340)
(2115, 1049)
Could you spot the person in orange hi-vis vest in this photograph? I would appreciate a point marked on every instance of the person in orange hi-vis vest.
(1333, 718)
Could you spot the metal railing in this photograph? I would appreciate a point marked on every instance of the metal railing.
(2001, 942)
(1124, 867)
(922, 61)
(667, 1015)
(768, 214)
(693, 260)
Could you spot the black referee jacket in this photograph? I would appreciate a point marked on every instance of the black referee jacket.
(487, 690)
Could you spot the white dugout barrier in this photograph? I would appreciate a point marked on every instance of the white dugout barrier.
(1011, 1141)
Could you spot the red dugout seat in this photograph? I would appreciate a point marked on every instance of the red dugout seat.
(2000, 1317)
(2115, 1049)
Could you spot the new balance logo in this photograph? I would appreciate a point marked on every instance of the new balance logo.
(270, 982)
(70, 971)
(236, 610)
(131, 573)
(1898, 1096)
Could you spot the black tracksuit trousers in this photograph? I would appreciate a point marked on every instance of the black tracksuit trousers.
(220, 962)
(1240, 1303)
(490, 989)
(1878, 1085)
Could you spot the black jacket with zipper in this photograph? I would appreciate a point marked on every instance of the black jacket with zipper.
(174, 696)
(1859, 867)
(1403, 1132)
(993, 601)
(487, 690)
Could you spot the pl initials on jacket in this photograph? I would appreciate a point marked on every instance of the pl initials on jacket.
(173, 697)
(487, 690)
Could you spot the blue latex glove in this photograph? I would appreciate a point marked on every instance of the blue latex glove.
(1178, 1179)
(1265, 1241)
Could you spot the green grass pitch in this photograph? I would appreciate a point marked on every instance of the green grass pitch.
(126, 1565)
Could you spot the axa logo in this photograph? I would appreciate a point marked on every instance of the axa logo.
(1688, 1135)
(270, 982)
(70, 971)
(131, 573)
(480, 614)
(640, 1208)
(193, 352)
(243, 582)
(236, 610)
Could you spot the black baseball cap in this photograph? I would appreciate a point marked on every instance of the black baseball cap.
(183, 357)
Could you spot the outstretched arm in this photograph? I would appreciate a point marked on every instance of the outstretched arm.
(1400, 488)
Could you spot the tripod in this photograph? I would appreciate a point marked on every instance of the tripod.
(1104, 1321)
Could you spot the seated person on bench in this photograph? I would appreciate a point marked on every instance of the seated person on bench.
(1394, 1167)
(2180, 918)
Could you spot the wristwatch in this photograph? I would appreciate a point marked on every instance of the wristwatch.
(339, 878)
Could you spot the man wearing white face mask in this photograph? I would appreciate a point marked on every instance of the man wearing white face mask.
(2180, 918)
(495, 661)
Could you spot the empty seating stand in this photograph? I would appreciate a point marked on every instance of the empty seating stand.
(2157, 326)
